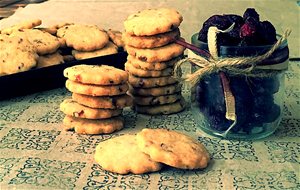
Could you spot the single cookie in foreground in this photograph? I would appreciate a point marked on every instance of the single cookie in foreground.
(93, 126)
(122, 155)
(96, 74)
(166, 109)
(173, 148)
(72, 108)
(105, 102)
(152, 21)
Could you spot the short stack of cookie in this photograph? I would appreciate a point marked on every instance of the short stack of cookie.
(149, 39)
(87, 41)
(98, 98)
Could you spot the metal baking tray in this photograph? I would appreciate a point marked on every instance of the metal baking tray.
(51, 77)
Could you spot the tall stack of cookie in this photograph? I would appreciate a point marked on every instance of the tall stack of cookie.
(99, 96)
(149, 40)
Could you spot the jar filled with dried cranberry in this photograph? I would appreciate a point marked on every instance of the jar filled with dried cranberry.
(258, 98)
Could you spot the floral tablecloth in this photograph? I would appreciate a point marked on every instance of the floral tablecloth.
(36, 153)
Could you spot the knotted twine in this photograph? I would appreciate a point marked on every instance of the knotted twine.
(247, 66)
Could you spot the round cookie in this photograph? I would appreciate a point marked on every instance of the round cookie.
(49, 60)
(72, 108)
(83, 37)
(96, 90)
(147, 73)
(156, 91)
(109, 49)
(173, 148)
(158, 54)
(157, 66)
(122, 155)
(17, 54)
(93, 126)
(142, 82)
(105, 102)
(151, 41)
(156, 100)
(96, 74)
(27, 24)
(172, 108)
(44, 42)
(152, 21)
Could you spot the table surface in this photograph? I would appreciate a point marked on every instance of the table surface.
(36, 153)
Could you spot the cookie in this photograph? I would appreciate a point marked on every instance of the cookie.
(158, 54)
(108, 49)
(93, 126)
(157, 66)
(16, 55)
(142, 82)
(27, 24)
(152, 21)
(173, 148)
(172, 108)
(156, 100)
(72, 108)
(49, 60)
(147, 73)
(96, 74)
(83, 37)
(53, 29)
(116, 37)
(44, 42)
(122, 155)
(96, 90)
(106, 102)
(157, 40)
(156, 91)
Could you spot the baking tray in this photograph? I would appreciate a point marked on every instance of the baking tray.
(51, 77)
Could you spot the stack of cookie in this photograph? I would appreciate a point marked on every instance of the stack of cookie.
(87, 41)
(99, 96)
(149, 40)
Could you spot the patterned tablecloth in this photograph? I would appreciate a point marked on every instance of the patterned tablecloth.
(35, 153)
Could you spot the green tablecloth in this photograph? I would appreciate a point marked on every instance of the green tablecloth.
(36, 153)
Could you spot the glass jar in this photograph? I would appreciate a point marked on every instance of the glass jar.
(258, 100)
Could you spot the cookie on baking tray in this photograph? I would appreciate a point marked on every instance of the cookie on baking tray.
(50, 59)
(116, 37)
(96, 74)
(147, 73)
(153, 41)
(157, 91)
(108, 49)
(122, 155)
(27, 24)
(106, 102)
(93, 126)
(17, 54)
(72, 108)
(171, 108)
(143, 82)
(173, 148)
(157, 100)
(96, 90)
(152, 21)
(159, 54)
(83, 37)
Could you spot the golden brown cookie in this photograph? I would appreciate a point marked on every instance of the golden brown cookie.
(93, 126)
(83, 37)
(143, 82)
(50, 59)
(122, 155)
(96, 74)
(171, 108)
(156, 91)
(173, 148)
(96, 90)
(27, 24)
(108, 49)
(116, 37)
(72, 108)
(105, 102)
(152, 21)
(156, 100)
(159, 54)
(153, 41)
(129, 67)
